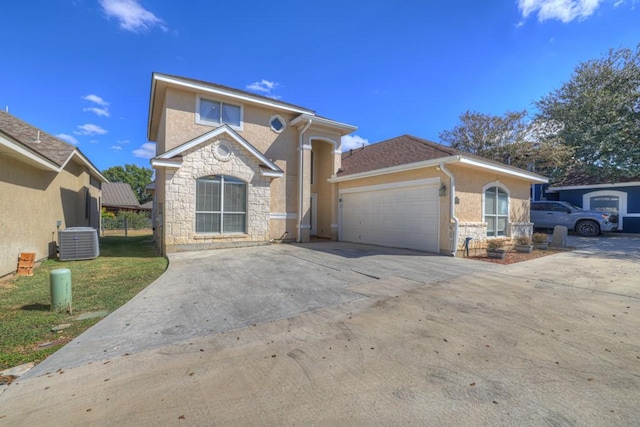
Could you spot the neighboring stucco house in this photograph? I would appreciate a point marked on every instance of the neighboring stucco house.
(119, 196)
(621, 199)
(235, 168)
(413, 193)
(46, 185)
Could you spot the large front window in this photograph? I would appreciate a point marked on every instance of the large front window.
(211, 112)
(496, 211)
(221, 205)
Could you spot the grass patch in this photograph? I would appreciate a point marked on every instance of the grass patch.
(125, 267)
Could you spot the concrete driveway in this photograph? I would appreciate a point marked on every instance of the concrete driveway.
(332, 333)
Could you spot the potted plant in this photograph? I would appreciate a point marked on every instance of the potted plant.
(523, 244)
(540, 241)
(494, 249)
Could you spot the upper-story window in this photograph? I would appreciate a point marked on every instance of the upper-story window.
(214, 113)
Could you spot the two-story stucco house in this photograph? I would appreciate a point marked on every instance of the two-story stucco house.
(235, 168)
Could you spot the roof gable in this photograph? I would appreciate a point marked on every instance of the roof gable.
(173, 154)
(408, 152)
(38, 148)
(397, 151)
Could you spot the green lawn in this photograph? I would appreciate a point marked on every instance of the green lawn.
(126, 265)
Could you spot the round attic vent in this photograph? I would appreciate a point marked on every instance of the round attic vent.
(222, 151)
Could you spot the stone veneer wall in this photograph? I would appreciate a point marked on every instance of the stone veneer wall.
(180, 201)
(476, 230)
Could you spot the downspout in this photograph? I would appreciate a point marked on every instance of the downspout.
(301, 179)
(452, 197)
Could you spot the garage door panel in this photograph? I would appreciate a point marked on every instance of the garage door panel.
(400, 217)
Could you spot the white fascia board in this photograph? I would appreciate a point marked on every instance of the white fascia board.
(158, 163)
(588, 187)
(224, 129)
(88, 164)
(506, 171)
(32, 157)
(231, 94)
(395, 169)
(304, 118)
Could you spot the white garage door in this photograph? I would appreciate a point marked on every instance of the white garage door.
(403, 215)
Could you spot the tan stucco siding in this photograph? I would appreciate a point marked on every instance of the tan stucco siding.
(469, 189)
(33, 201)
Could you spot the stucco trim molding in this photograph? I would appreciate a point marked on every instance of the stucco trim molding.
(401, 184)
(283, 215)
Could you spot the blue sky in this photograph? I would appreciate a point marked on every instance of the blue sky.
(81, 69)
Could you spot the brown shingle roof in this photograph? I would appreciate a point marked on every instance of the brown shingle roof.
(49, 147)
(397, 151)
(119, 194)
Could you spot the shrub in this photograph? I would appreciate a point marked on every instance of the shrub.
(539, 238)
(494, 244)
(523, 240)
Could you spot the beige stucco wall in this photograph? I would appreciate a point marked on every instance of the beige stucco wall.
(469, 189)
(33, 201)
(179, 126)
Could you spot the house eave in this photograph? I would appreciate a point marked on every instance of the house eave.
(590, 186)
(535, 178)
(26, 155)
(343, 128)
(435, 162)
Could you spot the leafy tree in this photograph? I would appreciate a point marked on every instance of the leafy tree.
(511, 139)
(598, 115)
(137, 177)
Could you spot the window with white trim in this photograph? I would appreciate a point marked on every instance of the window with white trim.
(221, 205)
(496, 211)
(214, 113)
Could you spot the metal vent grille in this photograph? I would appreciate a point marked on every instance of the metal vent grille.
(78, 243)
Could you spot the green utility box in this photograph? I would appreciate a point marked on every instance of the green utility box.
(60, 286)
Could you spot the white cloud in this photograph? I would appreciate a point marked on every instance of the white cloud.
(90, 129)
(146, 151)
(93, 141)
(103, 112)
(266, 87)
(123, 141)
(70, 139)
(116, 148)
(562, 10)
(95, 99)
(353, 141)
(131, 15)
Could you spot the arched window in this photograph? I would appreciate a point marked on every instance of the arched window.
(221, 205)
(496, 210)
